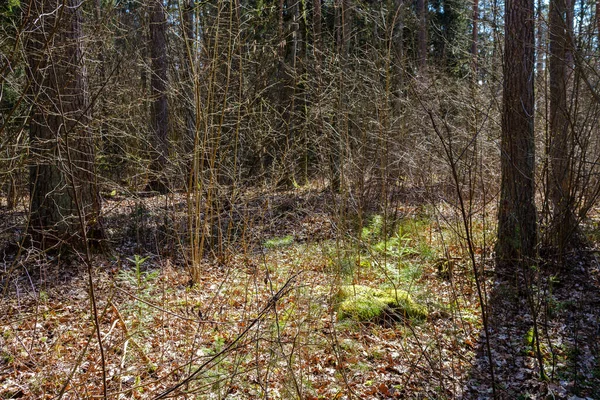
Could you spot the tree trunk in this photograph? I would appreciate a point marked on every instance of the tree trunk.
(564, 223)
(190, 100)
(65, 202)
(474, 37)
(159, 114)
(541, 42)
(398, 38)
(317, 33)
(343, 25)
(422, 35)
(598, 21)
(517, 221)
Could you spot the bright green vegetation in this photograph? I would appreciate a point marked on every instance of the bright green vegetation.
(363, 303)
(279, 242)
(394, 253)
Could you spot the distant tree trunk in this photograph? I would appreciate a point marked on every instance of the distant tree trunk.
(190, 112)
(517, 221)
(398, 38)
(159, 115)
(65, 202)
(11, 192)
(347, 17)
(317, 33)
(598, 21)
(342, 29)
(298, 101)
(422, 35)
(289, 107)
(343, 26)
(541, 42)
(101, 71)
(564, 222)
(474, 37)
(318, 60)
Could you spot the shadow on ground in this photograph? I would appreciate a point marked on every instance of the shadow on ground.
(567, 305)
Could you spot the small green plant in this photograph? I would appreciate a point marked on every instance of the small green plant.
(373, 229)
(141, 280)
(137, 276)
(138, 261)
(344, 266)
(396, 246)
(8, 358)
(218, 344)
(530, 338)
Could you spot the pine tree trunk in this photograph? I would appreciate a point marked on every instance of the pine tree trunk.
(517, 221)
(564, 222)
(159, 114)
(63, 191)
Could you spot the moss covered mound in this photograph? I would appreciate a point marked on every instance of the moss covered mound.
(363, 303)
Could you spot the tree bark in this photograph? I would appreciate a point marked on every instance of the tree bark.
(474, 36)
(64, 197)
(422, 35)
(159, 115)
(343, 25)
(598, 21)
(564, 222)
(190, 109)
(317, 33)
(398, 38)
(517, 221)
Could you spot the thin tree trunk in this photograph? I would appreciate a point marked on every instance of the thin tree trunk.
(343, 26)
(474, 37)
(190, 113)
(399, 59)
(347, 25)
(598, 21)
(317, 33)
(422, 35)
(540, 42)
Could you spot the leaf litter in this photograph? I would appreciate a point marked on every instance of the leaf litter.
(263, 322)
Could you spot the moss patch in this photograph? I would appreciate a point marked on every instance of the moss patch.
(279, 242)
(363, 303)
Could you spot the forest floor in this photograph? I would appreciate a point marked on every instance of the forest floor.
(264, 319)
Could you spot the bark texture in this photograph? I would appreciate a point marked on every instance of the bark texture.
(63, 191)
(517, 221)
(564, 222)
(159, 115)
(475, 35)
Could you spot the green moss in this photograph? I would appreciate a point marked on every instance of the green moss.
(279, 242)
(362, 303)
